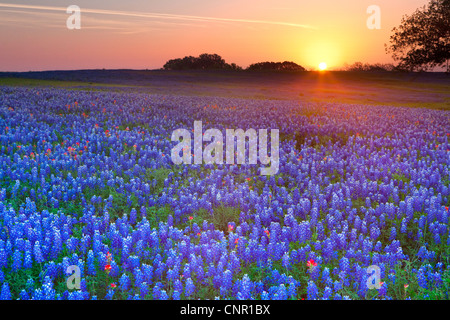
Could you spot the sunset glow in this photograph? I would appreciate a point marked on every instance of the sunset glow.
(144, 35)
(322, 66)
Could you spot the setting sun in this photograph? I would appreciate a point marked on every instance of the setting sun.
(322, 66)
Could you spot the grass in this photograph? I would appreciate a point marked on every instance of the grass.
(36, 82)
(74, 85)
(220, 217)
(426, 90)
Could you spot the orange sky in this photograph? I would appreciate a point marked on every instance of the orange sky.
(145, 34)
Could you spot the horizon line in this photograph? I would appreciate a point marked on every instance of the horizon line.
(224, 70)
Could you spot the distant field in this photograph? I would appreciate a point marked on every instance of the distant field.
(16, 81)
(430, 90)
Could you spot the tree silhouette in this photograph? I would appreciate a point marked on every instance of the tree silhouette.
(359, 66)
(205, 61)
(275, 66)
(422, 41)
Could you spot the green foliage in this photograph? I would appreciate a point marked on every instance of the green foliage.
(422, 40)
(220, 217)
(157, 214)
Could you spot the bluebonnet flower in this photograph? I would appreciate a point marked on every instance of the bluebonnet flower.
(326, 277)
(176, 295)
(133, 216)
(28, 260)
(437, 279)
(109, 294)
(281, 293)
(144, 290)
(133, 261)
(178, 286)
(47, 289)
(217, 280)
(38, 257)
(17, 260)
(163, 295)
(312, 291)
(124, 282)
(52, 270)
(327, 293)
(189, 288)
(147, 271)
(38, 295)
(156, 291)
(393, 234)
(84, 245)
(227, 279)
(337, 285)
(91, 270)
(315, 273)
(24, 295)
(422, 279)
(362, 285)
(292, 290)
(245, 287)
(344, 265)
(57, 243)
(3, 258)
(403, 227)
(286, 260)
(186, 271)
(5, 293)
(138, 276)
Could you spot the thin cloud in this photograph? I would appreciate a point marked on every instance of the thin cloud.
(158, 15)
(35, 18)
(31, 21)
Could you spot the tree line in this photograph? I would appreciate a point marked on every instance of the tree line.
(368, 67)
(208, 61)
(215, 62)
(203, 62)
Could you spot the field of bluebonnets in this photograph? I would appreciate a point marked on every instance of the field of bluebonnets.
(87, 179)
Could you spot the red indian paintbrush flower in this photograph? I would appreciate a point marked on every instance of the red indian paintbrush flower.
(311, 263)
